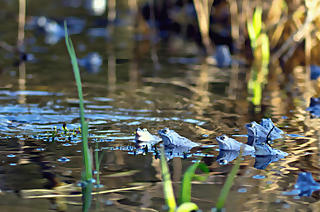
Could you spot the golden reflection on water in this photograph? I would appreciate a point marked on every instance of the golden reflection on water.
(201, 97)
(20, 46)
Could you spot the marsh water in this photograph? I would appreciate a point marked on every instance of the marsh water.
(146, 84)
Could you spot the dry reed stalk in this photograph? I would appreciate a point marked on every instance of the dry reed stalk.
(203, 8)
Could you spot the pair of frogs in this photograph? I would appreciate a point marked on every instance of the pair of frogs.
(258, 143)
(257, 146)
(170, 139)
(259, 136)
(175, 145)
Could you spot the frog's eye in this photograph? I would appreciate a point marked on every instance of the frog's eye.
(223, 162)
(250, 125)
(166, 130)
(144, 129)
(223, 137)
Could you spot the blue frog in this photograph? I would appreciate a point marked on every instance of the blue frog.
(171, 139)
(266, 129)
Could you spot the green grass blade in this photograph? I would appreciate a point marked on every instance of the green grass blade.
(227, 185)
(265, 49)
(187, 206)
(257, 21)
(84, 124)
(252, 35)
(167, 184)
(185, 195)
(98, 160)
(185, 192)
(257, 93)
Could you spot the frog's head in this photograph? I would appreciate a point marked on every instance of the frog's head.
(167, 136)
(252, 128)
(143, 135)
(223, 141)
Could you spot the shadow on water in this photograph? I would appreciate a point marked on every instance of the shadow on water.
(147, 75)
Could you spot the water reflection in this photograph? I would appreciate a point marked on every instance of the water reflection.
(20, 45)
(97, 7)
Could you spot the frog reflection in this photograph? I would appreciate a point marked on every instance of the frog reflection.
(258, 148)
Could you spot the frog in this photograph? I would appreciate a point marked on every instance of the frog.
(171, 139)
(144, 138)
(263, 161)
(92, 62)
(314, 107)
(266, 129)
(227, 143)
(264, 149)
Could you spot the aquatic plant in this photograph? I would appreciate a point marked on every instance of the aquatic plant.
(98, 160)
(189, 175)
(260, 47)
(185, 203)
(203, 8)
(259, 40)
(87, 176)
(227, 185)
(167, 184)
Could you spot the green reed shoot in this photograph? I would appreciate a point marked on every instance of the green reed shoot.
(227, 185)
(259, 40)
(185, 203)
(84, 125)
(254, 27)
(265, 49)
(167, 184)
(261, 51)
(98, 160)
(185, 193)
(187, 206)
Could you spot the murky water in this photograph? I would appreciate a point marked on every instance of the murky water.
(140, 84)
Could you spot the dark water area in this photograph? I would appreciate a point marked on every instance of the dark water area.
(140, 83)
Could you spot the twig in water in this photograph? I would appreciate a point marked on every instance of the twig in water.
(268, 136)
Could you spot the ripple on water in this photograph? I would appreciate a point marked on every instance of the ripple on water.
(242, 190)
(63, 159)
(29, 93)
(67, 144)
(258, 176)
(102, 99)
